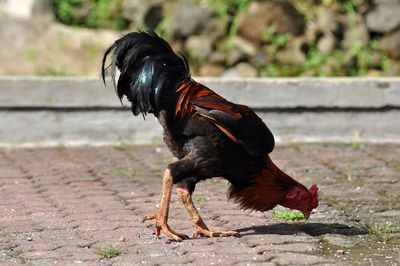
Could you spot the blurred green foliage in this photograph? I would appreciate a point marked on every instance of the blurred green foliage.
(90, 13)
(357, 60)
(274, 41)
(227, 9)
(354, 62)
(309, 8)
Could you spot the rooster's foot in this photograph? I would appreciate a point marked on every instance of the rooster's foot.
(149, 217)
(208, 233)
(169, 232)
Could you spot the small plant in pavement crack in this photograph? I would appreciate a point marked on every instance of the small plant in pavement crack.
(382, 230)
(107, 252)
(289, 215)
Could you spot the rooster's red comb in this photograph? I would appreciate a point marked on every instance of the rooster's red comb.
(314, 196)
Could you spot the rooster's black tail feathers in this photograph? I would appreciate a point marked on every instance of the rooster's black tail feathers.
(149, 70)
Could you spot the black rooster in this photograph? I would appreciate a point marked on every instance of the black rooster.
(208, 134)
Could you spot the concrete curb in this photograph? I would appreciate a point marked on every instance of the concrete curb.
(255, 92)
(65, 110)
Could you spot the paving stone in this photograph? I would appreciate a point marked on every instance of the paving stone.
(291, 247)
(289, 258)
(58, 204)
(342, 240)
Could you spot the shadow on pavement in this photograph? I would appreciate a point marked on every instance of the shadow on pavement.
(317, 229)
(313, 229)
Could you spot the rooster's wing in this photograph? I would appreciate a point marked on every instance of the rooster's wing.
(238, 122)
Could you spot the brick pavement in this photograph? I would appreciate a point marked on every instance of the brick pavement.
(60, 205)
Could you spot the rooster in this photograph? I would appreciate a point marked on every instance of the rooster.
(210, 136)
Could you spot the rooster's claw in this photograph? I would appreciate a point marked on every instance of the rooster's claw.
(149, 217)
(207, 233)
(170, 233)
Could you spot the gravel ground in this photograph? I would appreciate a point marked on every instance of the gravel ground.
(69, 205)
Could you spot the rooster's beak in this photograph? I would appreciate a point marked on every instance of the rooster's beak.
(306, 214)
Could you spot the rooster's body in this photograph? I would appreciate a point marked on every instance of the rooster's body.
(209, 135)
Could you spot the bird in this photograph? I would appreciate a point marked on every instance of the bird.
(209, 135)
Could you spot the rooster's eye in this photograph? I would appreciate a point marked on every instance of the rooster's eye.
(305, 197)
(164, 64)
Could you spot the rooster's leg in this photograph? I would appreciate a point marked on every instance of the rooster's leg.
(201, 227)
(162, 215)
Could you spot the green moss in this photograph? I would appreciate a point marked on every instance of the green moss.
(398, 199)
(350, 172)
(127, 173)
(121, 146)
(381, 231)
(288, 215)
(107, 252)
(355, 140)
(382, 192)
(200, 199)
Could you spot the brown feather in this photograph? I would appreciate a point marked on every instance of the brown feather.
(267, 189)
(188, 91)
(215, 122)
(221, 106)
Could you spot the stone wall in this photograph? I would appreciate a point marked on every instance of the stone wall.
(221, 38)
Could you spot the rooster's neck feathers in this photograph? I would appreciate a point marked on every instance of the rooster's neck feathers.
(266, 189)
(187, 93)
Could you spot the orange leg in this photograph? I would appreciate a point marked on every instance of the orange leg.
(201, 227)
(162, 214)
